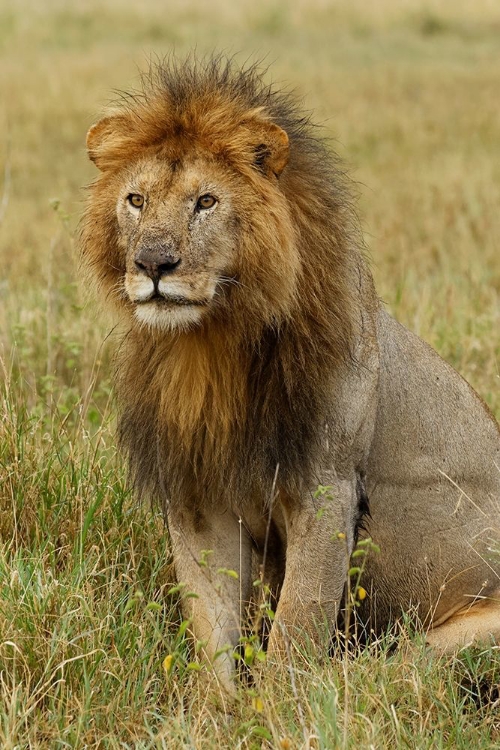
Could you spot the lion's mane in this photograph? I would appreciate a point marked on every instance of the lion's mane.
(222, 406)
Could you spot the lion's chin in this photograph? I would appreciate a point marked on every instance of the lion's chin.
(171, 318)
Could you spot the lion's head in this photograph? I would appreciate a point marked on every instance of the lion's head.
(187, 214)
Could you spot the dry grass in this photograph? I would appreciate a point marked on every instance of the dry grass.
(409, 91)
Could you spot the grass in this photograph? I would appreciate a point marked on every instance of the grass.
(408, 90)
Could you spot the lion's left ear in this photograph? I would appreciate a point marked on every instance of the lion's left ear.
(271, 148)
(104, 138)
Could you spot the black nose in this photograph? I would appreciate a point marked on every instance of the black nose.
(156, 264)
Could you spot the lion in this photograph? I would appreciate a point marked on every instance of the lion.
(258, 363)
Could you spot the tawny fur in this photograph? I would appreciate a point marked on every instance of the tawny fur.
(239, 399)
(270, 367)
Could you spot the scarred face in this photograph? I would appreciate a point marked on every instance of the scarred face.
(177, 231)
(183, 229)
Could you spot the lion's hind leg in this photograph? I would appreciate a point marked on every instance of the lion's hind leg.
(477, 623)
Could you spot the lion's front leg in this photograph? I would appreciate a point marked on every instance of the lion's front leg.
(212, 558)
(319, 541)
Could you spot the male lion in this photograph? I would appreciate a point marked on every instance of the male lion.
(259, 363)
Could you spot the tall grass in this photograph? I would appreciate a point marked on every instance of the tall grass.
(409, 93)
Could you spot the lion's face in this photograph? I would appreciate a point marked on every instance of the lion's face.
(189, 227)
(178, 233)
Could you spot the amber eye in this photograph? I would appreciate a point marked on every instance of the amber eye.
(206, 201)
(135, 200)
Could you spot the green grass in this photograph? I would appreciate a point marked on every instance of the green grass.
(409, 92)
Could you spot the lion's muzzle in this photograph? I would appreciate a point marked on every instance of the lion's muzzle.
(164, 298)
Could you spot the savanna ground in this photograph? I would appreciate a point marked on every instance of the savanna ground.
(409, 92)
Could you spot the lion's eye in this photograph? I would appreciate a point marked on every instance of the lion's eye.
(135, 200)
(206, 201)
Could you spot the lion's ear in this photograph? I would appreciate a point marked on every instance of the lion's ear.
(271, 147)
(105, 138)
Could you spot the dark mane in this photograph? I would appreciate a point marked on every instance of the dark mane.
(269, 383)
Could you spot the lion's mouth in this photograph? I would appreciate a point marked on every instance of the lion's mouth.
(170, 313)
(167, 301)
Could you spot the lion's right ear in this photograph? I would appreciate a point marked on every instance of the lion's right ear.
(272, 147)
(268, 142)
(104, 140)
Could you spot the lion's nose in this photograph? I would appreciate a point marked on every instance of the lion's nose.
(156, 264)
